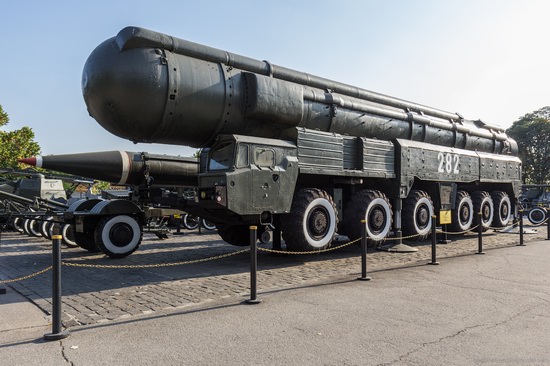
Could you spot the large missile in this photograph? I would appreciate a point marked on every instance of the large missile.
(150, 87)
(123, 167)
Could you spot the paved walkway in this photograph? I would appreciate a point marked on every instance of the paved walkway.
(471, 310)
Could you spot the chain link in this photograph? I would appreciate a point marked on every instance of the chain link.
(156, 265)
(27, 277)
(308, 252)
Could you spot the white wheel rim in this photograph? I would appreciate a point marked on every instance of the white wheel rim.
(423, 201)
(466, 201)
(505, 200)
(378, 202)
(487, 222)
(327, 239)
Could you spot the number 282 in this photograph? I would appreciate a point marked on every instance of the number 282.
(448, 163)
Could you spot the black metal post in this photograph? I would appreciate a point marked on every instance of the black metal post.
(364, 276)
(3, 290)
(276, 233)
(57, 332)
(443, 238)
(548, 224)
(434, 254)
(253, 265)
(480, 235)
(178, 225)
(521, 244)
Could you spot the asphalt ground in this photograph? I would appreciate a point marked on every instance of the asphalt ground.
(161, 274)
(471, 309)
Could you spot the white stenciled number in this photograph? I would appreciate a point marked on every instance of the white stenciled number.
(446, 163)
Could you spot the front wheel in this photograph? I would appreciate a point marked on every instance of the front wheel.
(312, 221)
(118, 236)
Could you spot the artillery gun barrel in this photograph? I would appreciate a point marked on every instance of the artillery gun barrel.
(150, 87)
(123, 167)
(27, 201)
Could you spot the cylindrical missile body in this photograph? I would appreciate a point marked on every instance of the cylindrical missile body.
(149, 87)
(123, 167)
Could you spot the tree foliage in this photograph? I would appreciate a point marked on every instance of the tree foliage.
(15, 144)
(532, 133)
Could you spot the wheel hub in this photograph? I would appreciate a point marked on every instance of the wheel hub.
(121, 234)
(318, 222)
(464, 213)
(422, 216)
(377, 220)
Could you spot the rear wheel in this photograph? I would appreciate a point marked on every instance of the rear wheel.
(463, 216)
(373, 207)
(312, 221)
(418, 210)
(118, 236)
(503, 208)
(208, 225)
(483, 203)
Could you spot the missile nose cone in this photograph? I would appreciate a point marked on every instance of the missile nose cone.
(30, 161)
(125, 90)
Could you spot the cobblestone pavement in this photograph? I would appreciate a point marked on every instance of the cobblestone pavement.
(95, 295)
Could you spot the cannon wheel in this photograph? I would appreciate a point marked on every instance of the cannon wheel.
(68, 234)
(118, 236)
(190, 222)
(463, 216)
(373, 207)
(312, 221)
(418, 210)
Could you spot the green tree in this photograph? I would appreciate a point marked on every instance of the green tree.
(532, 133)
(15, 144)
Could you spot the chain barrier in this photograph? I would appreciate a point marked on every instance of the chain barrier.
(26, 277)
(156, 265)
(226, 255)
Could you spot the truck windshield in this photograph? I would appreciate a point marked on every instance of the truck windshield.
(221, 157)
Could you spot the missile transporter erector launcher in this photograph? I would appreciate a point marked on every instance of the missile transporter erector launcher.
(309, 155)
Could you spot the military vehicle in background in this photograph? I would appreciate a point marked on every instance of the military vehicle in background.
(535, 200)
(308, 155)
(30, 203)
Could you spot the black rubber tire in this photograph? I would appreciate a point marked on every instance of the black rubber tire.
(17, 224)
(190, 222)
(238, 235)
(33, 228)
(373, 207)
(312, 222)
(45, 227)
(483, 202)
(462, 216)
(503, 209)
(118, 236)
(68, 234)
(417, 213)
(536, 215)
(208, 225)
(86, 241)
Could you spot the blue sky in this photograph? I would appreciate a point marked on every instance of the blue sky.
(487, 59)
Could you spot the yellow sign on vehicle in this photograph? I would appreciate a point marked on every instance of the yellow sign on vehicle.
(445, 217)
